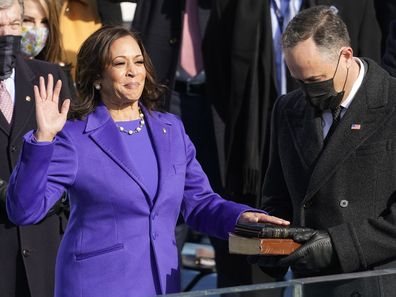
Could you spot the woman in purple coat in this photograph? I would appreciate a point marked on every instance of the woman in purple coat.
(128, 169)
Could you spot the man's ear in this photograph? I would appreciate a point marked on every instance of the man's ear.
(347, 54)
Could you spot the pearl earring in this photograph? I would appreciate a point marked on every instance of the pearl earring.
(97, 86)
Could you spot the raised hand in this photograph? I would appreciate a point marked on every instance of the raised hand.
(49, 120)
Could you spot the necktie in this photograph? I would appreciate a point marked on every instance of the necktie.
(336, 113)
(6, 105)
(282, 16)
(190, 52)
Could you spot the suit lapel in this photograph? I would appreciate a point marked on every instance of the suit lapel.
(24, 98)
(4, 126)
(161, 134)
(105, 134)
(346, 140)
(306, 129)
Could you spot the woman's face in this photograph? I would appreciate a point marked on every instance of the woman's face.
(35, 15)
(122, 81)
(34, 28)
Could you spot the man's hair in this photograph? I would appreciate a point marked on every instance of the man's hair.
(323, 24)
(8, 3)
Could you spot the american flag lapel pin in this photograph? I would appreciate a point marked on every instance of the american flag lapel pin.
(356, 127)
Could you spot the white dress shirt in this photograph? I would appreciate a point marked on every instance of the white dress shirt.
(327, 118)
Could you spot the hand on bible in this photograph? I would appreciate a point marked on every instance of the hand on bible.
(258, 217)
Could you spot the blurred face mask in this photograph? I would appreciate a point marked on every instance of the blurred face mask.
(33, 40)
(9, 48)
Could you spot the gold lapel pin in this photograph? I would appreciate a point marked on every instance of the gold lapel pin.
(28, 98)
(164, 130)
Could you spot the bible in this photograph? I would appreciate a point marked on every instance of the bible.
(261, 246)
(265, 239)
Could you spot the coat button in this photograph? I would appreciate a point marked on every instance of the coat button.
(344, 203)
(13, 148)
(356, 294)
(25, 253)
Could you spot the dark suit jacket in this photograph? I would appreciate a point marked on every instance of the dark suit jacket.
(386, 12)
(239, 63)
(109, 12)
(348, 188)
(389, 58)
(159, 23)
(37, 243)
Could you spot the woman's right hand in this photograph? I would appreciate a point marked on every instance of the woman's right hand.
(49, 120)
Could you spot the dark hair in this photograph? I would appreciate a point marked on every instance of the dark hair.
(322, 23)
(93, 58)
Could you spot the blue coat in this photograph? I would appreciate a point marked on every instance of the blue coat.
(118, 241)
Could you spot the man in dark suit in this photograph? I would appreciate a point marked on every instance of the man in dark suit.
(27, 254)
(332, 162)
(241, 74)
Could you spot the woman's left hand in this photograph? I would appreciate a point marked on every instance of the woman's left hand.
(258, 217)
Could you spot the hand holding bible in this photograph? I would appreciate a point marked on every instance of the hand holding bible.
(316, 255)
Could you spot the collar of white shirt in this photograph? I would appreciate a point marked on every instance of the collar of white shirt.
(327, 118)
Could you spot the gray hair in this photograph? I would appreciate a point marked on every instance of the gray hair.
(323, 24)
(4, 4)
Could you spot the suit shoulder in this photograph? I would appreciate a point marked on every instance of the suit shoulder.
(75, 126)
(38, 66)
(289, 100)
(170, 117)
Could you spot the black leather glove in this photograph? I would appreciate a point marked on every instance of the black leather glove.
(315, 257)
(273, 265)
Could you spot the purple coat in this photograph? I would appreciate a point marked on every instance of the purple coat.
(118, 241)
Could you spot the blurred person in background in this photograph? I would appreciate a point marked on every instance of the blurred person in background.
(385, 11)
(78, 19)
(41, 35)
(389, 58)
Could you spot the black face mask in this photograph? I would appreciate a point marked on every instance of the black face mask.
(9, 48)
(322, 95)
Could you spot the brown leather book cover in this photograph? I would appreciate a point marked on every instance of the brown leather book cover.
(261, 246)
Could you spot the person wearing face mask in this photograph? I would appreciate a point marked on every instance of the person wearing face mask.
(332, 164)
(40, 35)
(27, 254)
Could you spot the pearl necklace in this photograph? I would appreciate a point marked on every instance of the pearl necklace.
(137, 129)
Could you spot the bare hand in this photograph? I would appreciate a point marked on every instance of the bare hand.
(258, 217)
(49, 120)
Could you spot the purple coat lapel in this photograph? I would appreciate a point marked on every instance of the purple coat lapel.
(104, 133)
(161, 133)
